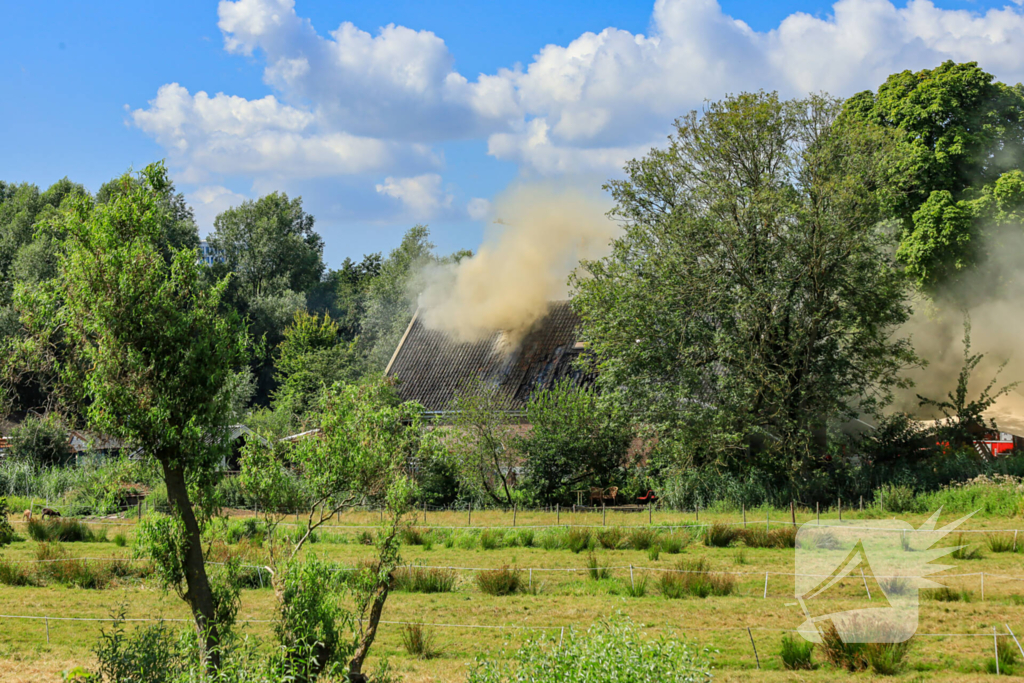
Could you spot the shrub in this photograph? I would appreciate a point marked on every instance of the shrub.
(492, 539)
(500, 581)
(897, 498)
(964, 551)
(149, 654)
(886, 659)
(418, 640)
(796, 653)
(695, 578)
(1000, 543)
(613, 651)
(60, 531)
(7, 534)
(14, 574)
(578, 539)
(947, 594)
(414, 579)
(40, 441)
(642, 538)
(249, 528)
(720, 535)
(596, 570)
(610, 538)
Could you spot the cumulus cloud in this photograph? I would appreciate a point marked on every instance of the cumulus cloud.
(422, 195)
(478, 208)
(207, 201)
(347, 102)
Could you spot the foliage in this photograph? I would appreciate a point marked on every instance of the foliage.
(482, 441)
(7, 534)
(610, 538)
(596, 570)
(42, 441)
(414, 579)
(578, 539)
(60, 530)
(150, 654)
(143, 345)
(642, 539)
(611, 652)
(752, 297)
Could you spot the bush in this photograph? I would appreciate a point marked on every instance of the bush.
(609, 652)
(41, 441)
(642, 538)
(60, 531)
(120, 539)
(150, 654)
(695, 578)
(7, 534)
(578, 539)
(500, 581)
(796, 653)
(414, 579)
(720, 535)
(610, 538)
(897, 498)
(418, 640)
(246, 529)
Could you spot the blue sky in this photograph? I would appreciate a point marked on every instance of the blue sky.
(431, 119)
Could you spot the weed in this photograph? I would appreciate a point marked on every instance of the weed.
(653, 553)
(673, 545)
(500, 581)
(120, 540)
(1000, 543)
(964, 551)
(796, 653)
(887, 659)
(14, 574)
(642, 539)
(740, 557)
(610, 539)
(695, 578)
(597, 571)
(637, 587)
(578, 539)
(720, 535)
(418, 640)
(414, 579)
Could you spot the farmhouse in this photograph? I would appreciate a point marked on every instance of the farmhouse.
(430, 366)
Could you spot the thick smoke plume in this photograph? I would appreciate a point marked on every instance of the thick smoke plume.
(537, 237)
(992, 294)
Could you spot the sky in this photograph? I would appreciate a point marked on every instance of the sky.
(383, 115)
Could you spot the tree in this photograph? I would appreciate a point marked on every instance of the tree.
(312, 356)
(482, 440)
(751, 298)
(956, 132)
(575, 440)
(343, 293)
(40, 441)
(366, 441)
(143, 344)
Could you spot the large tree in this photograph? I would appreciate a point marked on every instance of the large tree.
(956, 132)
(751, 297)
(142, 343)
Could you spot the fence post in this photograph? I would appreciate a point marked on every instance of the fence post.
(558, 514)
(862, 503)
(1015, 539)
(1010, 631)
(560, 638)
(604, 514)
(531, 578)
(792, 512)
(995, 643)
(817, 512)
(756, 658)
(140, 510)
(470, 522)
(840, 508)
(765, 586)
(696, 511)
(743, 508)
(983, 586)
(514, 510)
(864, 579)
(631, 581)
(650, 513)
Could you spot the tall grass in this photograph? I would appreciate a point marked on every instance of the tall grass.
(56, 567)
(597, 570)
(965, 551)
(720, 535)
(500, 581)
(1000, 543)
(796, 653)
(947, 594)
(414, 579)
(419, 641)
(642, 538)
(611, 538)
(492, 539)
(578, 539)
(637, 586)
(694, 578)
(62, 531)
(14, 574)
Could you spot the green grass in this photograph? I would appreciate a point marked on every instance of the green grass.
(414, 579)
(796, 653)
(63, 531)
(500, 581)
(694, 578)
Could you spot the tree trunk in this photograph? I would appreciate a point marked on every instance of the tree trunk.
(355, 667)
(198, 595)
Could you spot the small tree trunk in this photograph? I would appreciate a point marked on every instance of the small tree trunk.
(198, 595)
(355, 667)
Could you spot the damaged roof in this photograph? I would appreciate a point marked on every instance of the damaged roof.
(431, 366)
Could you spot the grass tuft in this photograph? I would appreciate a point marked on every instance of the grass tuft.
(610, 539)
(965, 551)
(642, 539)
(596, 570)
(419, 641)
(694, 578)
(414, 579)
(947, 594)
(500, 581)
(1000, 543)
(60, 531)
(578, 539)
(720, 535)
(796, 653)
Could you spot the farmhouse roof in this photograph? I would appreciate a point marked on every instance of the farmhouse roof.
(431, 366)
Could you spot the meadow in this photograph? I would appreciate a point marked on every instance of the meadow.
(477, 585)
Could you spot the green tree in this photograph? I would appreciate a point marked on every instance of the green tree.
(575, 440)
(312, 356)
(40, 441)
(957, 131)
(146, 349)
(751, 298)
(343, 293)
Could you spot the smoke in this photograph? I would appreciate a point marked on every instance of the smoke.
(992, 295)
(538, 236)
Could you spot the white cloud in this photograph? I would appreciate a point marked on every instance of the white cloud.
(348, 102)
(422, 195)
(208, 201)
(478, 208)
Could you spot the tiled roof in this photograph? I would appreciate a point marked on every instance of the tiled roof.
(431, 366)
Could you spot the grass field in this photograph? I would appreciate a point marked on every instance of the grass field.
(468, 622)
